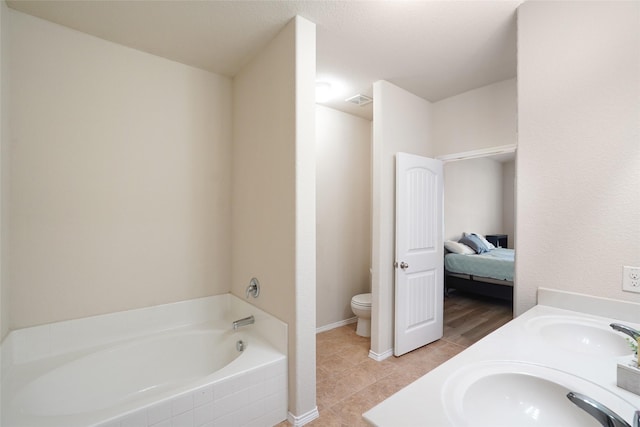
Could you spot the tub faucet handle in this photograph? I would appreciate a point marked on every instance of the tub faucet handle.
(254, 288)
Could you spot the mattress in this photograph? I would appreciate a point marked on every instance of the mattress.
(496, 264)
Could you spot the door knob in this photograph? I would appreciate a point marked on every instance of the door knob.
(404, 265)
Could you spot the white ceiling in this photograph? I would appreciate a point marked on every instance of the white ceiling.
(434, 49)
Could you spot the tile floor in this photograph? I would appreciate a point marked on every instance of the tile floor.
(350, 383)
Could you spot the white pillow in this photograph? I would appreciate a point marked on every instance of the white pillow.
(485, 241)
(458, 248)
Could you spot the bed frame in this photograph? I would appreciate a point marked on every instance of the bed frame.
(502, 289)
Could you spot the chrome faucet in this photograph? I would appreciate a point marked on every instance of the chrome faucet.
(605, 416)
(243, 322)
(633, 333)
(253, 288)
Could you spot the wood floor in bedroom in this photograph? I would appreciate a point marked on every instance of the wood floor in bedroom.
(350, 383)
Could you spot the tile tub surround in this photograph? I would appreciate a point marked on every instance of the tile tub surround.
(261, 375)
(424, 402)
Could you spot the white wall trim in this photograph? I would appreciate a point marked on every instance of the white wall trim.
(336, 324)
(303, 419)
(379, 357)
(483, 152)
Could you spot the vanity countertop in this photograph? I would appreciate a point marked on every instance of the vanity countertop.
(576, 349)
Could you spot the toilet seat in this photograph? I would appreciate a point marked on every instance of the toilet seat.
(362, 300)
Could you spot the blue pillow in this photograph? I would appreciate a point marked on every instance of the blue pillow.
(474, 243)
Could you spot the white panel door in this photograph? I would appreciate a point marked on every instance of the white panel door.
(419, 252)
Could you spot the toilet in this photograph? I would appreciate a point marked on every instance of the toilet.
(361, 306)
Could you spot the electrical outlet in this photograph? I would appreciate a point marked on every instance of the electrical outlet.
(631, 279)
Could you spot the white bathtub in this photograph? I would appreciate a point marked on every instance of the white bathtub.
(185, 371)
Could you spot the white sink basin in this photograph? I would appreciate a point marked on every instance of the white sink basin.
(503, 393)
(580, 335)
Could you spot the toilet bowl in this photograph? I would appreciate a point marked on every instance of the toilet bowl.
(361, 306)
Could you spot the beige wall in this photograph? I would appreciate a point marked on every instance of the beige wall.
(401, 122)
(4, 170)
(473, 199)
(481, 118)
(343, 195)
(4, 143)
(578, 156)
(120, 170)
(273, 201)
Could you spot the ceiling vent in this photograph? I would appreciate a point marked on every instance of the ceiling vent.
(360, 100)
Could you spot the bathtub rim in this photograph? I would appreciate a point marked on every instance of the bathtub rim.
(58, 338)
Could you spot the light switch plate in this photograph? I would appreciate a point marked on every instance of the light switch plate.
(631, 279)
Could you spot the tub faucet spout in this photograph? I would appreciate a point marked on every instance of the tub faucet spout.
(633, 333)
(243, 322)
(605, 416)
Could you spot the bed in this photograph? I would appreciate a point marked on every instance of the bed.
(489, 273)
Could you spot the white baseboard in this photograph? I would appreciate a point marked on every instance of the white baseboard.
(298, 421)
(380, 357)
(336, 325)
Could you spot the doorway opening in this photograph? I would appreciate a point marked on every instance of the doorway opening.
(480, 194)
